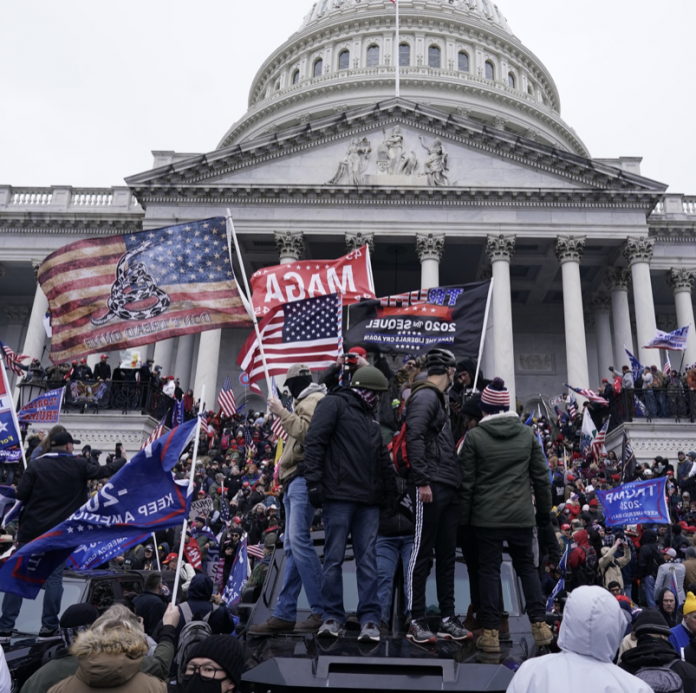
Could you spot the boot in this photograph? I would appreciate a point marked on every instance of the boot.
(489, 641)
(504, 627)
(309, 625)
(542, 634)
(472, 623)
(271, 627)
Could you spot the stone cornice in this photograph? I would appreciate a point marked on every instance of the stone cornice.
(58, 224)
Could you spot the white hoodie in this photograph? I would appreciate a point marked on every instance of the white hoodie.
(591, 632)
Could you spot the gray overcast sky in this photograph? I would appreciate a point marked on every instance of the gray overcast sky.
(89, 88)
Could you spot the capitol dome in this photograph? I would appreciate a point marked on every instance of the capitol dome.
(458, 56)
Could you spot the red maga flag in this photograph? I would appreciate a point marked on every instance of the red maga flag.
(350, 275)
(124, 291)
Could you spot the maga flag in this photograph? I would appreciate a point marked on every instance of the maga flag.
(452, 317)
(124, 291)
(142, 496)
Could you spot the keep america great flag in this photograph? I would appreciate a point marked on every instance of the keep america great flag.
(125, 291)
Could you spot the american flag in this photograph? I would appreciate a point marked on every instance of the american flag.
(204, 424)
(572, 407)
(598, 443)
(13, 360)
(249, 440)
(276, 426)
(123, 291)
(226, 399)
(255, 551)
(628, 459)
(306, 331)
(224, 506)
(668, 367)
(590, 394)
(156, 433)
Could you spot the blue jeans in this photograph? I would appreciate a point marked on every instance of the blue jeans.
(649, 587)
(302, 565)
(388, 550)
(360, 521)
(53, 595)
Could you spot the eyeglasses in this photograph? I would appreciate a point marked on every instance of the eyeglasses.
(207, 672)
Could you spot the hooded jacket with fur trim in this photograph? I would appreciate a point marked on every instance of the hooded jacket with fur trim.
(112, 661)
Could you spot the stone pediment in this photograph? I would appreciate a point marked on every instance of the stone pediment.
(392, 144)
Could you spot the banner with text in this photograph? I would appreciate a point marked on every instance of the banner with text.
(44, 409)
(635, 503)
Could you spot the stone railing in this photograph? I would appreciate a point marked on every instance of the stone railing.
(67, 198)
(676, 204)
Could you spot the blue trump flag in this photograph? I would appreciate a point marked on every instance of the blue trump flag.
(88, 556)
(9, 433)
(636, 503)
(238, 576)
(44, 409)
(141, 497)
(560, 585)
(636, 368)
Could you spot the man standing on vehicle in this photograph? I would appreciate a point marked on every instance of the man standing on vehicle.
(52, 488)
(302, 567)
(498, 459)
(436, 475)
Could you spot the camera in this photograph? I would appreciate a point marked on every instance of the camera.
(351, 359)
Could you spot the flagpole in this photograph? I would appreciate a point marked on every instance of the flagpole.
(249, 299)
(15, 420)
(398, 61)
(190, 493)
(483, 333)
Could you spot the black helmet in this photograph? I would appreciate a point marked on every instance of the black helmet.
(439, 360)
(369, 378)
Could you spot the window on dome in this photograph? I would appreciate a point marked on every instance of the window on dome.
(530, 90)
(490, 70)
(433, 56)
(277, 86)
(318, 67)
(511, 80)
(296, 77)
(404, 55)
(373, 56)
(344, 60)
(463, 62)
(486, 7)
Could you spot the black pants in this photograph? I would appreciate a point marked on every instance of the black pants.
(435, 528)
(490, 545)
(466, 538)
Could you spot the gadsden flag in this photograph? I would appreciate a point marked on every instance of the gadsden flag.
(124, 291)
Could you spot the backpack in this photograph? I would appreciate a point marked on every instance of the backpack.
(191, 634)
(398, 453)
(586, 574)
(661, 679)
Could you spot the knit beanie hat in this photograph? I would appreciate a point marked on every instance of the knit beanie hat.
(651, 622)
(689, 604)
(495, 397)
(226, 651)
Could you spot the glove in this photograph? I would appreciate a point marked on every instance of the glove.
(316, 495)
(543, 519)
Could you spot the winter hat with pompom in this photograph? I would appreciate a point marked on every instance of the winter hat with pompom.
(495, 397)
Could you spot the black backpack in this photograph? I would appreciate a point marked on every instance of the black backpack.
(661, 679)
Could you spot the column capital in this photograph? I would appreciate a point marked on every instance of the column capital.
(638, 249)
(357, 239)
(16, 315)
(601, 304)
(618, 278)
(680, 280)
(289, 243)
(500, 247)
(429, 246)
(569, 248)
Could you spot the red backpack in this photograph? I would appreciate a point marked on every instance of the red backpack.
(398, 452)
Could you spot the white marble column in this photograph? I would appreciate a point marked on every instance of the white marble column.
(500, 250)
(429, 248)
(569, 250)
(207, 366)
(163, 355)
(184, 357)
(638, 251)
(618, 280)
(601, 312)
(36, 333)
(681, 281)
(290, 245)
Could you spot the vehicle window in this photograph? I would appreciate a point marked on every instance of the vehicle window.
(131, 588)
(29, 619)
(102, 596)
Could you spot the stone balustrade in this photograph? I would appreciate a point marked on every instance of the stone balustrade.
(66, 198)
(675, 204)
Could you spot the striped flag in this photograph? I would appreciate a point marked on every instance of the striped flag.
(13, 360)
(158, 431)
(276, 426)
(226, 399)
(305, 331)
(590, 394)
(255, 551)
(204, 424)
(628, 461)
(600, 438)
(674, 341)
(572, 407)
(123, 291)
(251, 449)
(668, 367)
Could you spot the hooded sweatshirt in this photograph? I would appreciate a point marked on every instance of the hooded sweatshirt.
(592, 629)
(653, 651)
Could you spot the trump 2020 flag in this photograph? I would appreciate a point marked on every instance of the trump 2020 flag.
(673, 341)
(636, 503)
(88, 556)
(142, 496)
(9, 433)
(44, 409)
(238, 576)
(124, 291)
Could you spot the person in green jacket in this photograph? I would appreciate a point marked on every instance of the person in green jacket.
(499, 459)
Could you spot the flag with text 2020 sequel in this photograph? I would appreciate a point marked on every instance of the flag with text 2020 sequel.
(43, 409)
(451, 317)
(124, 291)
(142, 496)
(635, 503)
(350, 275)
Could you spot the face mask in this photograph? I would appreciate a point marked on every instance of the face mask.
(298, 384)
(196, 684)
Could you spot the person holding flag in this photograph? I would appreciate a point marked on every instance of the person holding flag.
(52, 488)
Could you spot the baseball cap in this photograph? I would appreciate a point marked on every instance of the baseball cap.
(565, 526)
(296, 370)
(171, 557)
(357, 350)
(63, 439)
(149, 547)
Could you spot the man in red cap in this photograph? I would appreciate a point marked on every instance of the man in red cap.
(346, 364)
(84, 372)
(102, 370)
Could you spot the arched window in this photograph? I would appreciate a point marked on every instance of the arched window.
(463, 61)
(344, 60)
(373, 56)
(296, 77)
(433, 56)
(511, 80)
(530, 90)
(318, 67)
(404, 55)
(490, 70)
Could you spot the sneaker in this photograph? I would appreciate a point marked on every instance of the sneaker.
(330, 629)
(309, 625)
(489, 641)
(47, 634)
(272, 627)
(5, 637)
(369, 632)
(452, 629)
(542, 634)
(419, 632)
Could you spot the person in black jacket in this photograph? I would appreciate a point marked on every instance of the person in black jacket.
(151, 605)
(649, 560)
(102, 370)
(348, 470)
(52, 488)
(436, 475)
